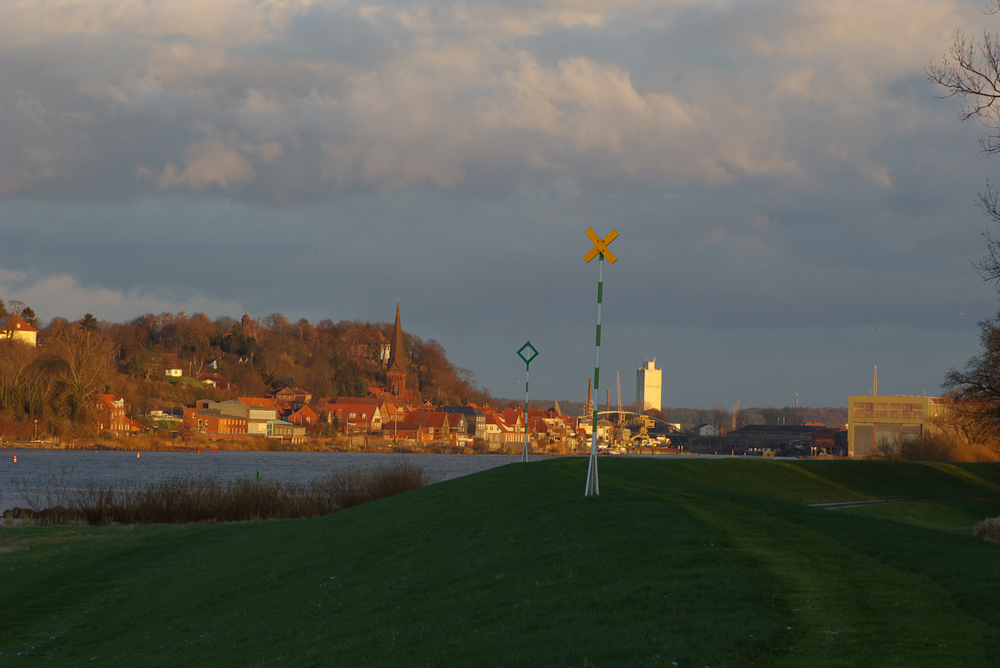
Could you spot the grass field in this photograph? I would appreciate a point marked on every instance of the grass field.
(678, 562)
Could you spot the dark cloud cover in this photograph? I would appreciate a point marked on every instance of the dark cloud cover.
(783, 178)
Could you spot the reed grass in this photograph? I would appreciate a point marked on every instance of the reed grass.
(200, 498)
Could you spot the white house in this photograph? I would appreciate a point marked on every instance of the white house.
(706, 430)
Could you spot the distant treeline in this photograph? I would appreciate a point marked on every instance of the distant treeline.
(718, 415)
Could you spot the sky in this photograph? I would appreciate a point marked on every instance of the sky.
(795, 202)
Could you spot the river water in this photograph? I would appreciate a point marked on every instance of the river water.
(38, 471)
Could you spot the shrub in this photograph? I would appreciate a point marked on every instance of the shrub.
(988, 529)
(932, 447)
(396, 477)
(53, 515)
(351, 486)
(96, 504)
(928, 448)
(346, 487)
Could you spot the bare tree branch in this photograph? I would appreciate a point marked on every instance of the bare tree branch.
(971, 71)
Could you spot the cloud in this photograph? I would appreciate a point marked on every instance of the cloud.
(212, 162)
(879, 174)
(767, 163)
(63, 296)
(348, 96)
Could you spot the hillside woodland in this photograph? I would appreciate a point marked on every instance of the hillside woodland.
(56, 383)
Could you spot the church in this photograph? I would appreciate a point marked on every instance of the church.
(395, 373)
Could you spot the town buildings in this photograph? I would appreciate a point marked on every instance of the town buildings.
(391, 415)
(810, 439)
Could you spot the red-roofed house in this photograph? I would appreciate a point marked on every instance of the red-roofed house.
(354, 418)
(305, 416)
(216, 380)
(409, 431)
(435, 425)
(111, 416)
(295, 397)
(497, 430)
(15, 328)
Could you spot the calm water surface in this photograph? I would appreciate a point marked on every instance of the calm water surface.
(35, 470)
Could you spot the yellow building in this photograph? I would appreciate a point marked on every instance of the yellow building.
(892, 419)
(648, 384)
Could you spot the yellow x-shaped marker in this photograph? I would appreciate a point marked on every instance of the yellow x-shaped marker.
(601, 245)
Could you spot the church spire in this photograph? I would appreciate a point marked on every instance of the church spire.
(395, 379)
(396, 347)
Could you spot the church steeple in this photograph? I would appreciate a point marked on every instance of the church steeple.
(395, 377)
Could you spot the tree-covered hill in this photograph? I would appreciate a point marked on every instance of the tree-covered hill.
(57, 381)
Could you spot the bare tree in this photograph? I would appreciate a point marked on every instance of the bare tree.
(86, 368)
(701, 416)
(792, 415)
(979, 383)
(970, 423)
(15, 306)
(719, 417)
(971, 71)
(770, 415)
(15, 360)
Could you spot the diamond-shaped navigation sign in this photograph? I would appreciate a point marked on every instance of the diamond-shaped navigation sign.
(527, 356)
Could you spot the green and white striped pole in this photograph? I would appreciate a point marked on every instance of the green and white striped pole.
(599, 250)
(527, 357)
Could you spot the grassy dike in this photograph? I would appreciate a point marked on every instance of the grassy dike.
(678, 562)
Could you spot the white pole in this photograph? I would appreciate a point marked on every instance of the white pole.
(593, 486)
(524, 454)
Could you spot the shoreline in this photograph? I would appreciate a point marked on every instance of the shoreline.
(191, 446)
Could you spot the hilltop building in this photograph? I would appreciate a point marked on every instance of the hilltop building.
(14, 327)
(249, 325)
(874, 419)
(367, 343)
(648, 383)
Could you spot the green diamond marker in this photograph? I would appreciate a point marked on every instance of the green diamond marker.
(526, 353)
(527, 357)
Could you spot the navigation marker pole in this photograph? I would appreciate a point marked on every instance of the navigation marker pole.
(527, 357)
(599, 250)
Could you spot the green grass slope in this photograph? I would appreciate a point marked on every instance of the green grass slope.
(678, 562)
